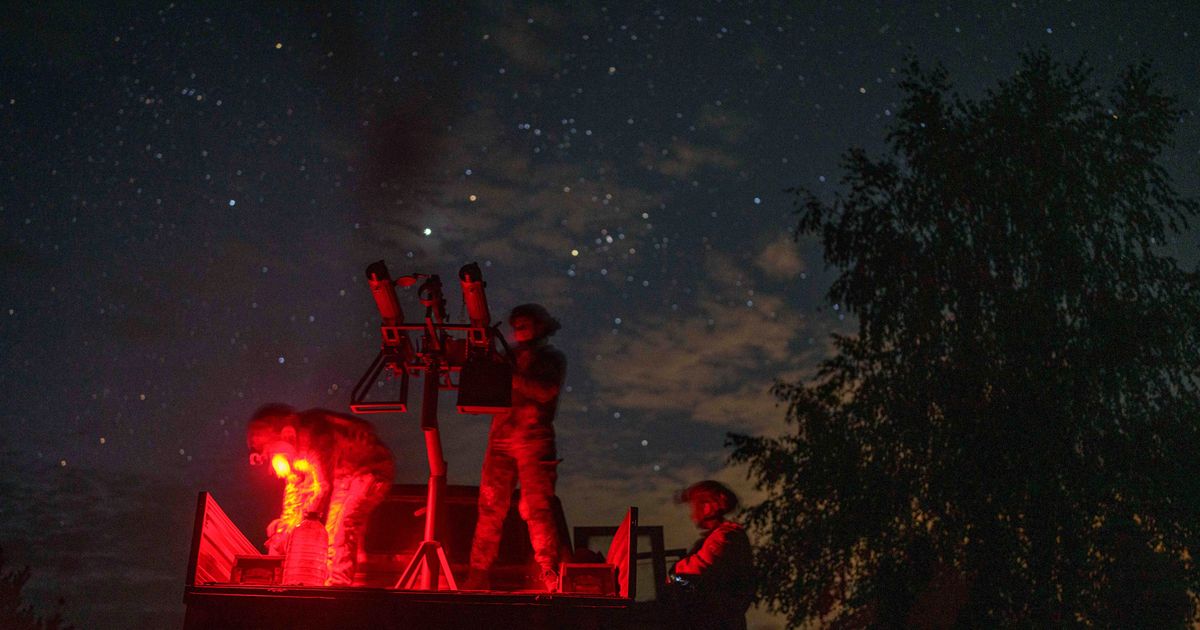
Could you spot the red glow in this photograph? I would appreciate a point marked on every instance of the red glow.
(302, 492)
(281, 465)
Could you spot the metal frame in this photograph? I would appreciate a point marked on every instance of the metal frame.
(358, 397)
(657, 554)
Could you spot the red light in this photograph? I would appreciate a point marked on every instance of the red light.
(280, 463)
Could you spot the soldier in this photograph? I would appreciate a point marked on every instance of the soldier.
(715, 581)
(521, 448)
(344, 464)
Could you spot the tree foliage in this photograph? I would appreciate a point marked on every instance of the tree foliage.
(15, 614)
(1012, 437)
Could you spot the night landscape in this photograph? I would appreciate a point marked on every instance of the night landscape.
(918, 281)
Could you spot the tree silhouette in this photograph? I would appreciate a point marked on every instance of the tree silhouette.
(15, 614)
(1013, 435)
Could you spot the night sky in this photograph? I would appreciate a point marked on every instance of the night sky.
(191, 194)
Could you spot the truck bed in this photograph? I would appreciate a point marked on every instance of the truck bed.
(213, 601)
(245, 606)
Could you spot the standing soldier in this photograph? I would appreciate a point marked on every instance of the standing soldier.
(345, 465)
(521, 448)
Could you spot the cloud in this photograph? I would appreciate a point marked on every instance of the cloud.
(712, 372)
(493, 201)
(714, 364)
(781, 259)
(684, 159)
(731, 126)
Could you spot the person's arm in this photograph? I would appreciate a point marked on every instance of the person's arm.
(700, 562)
(317, 500)
(314, 473)
(715, 546)
(277, 535)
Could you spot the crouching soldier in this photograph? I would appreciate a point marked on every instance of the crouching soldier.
(336, 466)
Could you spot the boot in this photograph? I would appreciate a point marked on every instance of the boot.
(550, 580)
(477, 580)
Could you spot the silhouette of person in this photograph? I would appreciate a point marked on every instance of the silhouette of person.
(521, 449)
(714, 582)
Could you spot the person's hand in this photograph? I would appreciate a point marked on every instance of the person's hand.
(277, 545)
(276, 538)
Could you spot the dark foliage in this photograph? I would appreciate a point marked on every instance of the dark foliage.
(1013, 435)
(15, 614)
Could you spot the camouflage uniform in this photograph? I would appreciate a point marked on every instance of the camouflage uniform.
(355, 469)
(521, 449)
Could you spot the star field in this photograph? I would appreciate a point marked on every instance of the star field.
(190, 195)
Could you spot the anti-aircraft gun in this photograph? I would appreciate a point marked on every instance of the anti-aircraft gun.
(484, 381)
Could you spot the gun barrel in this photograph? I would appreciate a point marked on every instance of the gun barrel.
(474, 296)
(383, 289)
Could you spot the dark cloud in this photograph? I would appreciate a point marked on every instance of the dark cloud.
(190, 196)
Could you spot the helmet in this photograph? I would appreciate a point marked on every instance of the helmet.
(539, 314)
(268, 424)
(709, 490)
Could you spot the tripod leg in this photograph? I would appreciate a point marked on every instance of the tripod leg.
(423, 561)
(450, 583)
(408, 579)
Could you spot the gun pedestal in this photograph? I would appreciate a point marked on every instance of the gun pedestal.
(430, 559)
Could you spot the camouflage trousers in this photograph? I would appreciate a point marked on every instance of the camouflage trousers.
(353, 499)
(534, 464)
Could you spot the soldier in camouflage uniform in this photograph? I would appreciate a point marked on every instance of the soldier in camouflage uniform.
(353, 466)
(521, 449)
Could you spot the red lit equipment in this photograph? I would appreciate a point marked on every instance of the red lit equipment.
(484, 385)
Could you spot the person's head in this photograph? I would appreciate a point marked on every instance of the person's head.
(710, 501)
(272, 429)
(531, 322)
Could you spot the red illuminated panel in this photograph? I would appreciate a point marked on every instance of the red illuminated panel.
(216, 544)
